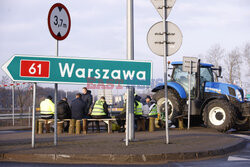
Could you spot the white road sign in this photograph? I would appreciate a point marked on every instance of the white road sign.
(190, 64)
(59, 21)
(155, 38)
(158, 4)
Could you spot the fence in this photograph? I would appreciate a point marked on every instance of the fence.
(18, 119)
(25, 118)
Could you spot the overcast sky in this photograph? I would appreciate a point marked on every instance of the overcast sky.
(98, 28)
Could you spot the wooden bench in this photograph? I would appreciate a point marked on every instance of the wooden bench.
(42, 124)
(180, 121)
(108, 121)
(74, 125)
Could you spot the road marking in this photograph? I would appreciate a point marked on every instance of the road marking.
(242, 136)
(5, 132)
(234, 158)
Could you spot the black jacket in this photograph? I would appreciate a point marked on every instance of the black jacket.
(87, 99)
(105, 107)
(77, 109)
(63, 110)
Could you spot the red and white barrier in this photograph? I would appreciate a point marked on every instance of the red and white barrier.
(15, 84)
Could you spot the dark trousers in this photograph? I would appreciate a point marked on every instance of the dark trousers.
(97, 122)
(121, 120)
(136, 118)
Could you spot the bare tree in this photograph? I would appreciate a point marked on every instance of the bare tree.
(214, 55)
(24, 94)
(5, 92)
(246, 53)
(233, 62)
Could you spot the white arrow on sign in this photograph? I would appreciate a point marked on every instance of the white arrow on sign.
(155, 38)
(158, 4)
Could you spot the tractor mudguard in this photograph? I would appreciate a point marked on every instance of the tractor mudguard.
(211, 96)
(246, 109)
(173, 85)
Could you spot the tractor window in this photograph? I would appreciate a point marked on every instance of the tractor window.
(182, 78)
(179, 75)
(206, 75)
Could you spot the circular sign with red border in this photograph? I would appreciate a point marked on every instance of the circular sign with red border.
(59, 21)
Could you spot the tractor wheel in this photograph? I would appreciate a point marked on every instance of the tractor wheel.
(174, 104)
(242, 124)
(219, 114)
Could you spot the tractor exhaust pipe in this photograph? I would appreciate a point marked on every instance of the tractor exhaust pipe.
(198, 80)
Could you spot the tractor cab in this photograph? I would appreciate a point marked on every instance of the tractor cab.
(204, 74)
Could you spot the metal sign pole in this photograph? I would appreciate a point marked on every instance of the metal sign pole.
(131, 114)
(56, 92)
(189, 96)
(165, 28)
(29, 117)
(127, 119)
(13, 104)
(130, 56)
(33, 116)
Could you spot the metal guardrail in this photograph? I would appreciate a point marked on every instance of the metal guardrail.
(113, 112)
(17, 116)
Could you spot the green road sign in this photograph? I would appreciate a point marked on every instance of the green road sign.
(78, 70)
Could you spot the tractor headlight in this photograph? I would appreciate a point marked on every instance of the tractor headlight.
(238, 95)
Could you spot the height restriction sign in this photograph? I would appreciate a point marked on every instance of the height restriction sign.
(59, 21)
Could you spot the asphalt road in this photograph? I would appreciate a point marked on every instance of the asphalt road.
(241, 158)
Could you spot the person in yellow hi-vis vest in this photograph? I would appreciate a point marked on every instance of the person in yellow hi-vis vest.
(99, 111)
(47, 108)
(137, 106)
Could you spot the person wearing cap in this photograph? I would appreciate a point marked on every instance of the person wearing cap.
(99, 111)
(63, 109)
(47, 108)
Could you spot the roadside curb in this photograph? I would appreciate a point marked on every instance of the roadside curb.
(17, 129)
(121, 158)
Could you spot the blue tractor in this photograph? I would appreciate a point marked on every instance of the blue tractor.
(218, 105)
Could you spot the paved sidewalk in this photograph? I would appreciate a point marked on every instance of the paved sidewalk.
(104, 148)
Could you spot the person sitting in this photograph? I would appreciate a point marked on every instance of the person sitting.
(63, 109)
(77, 108)
(64, 112)
(99, 111)
(47, 108)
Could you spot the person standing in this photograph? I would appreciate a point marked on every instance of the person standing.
(87, 99)
(99, 111)
(152, 107)
(47, 108)
(77, 108)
